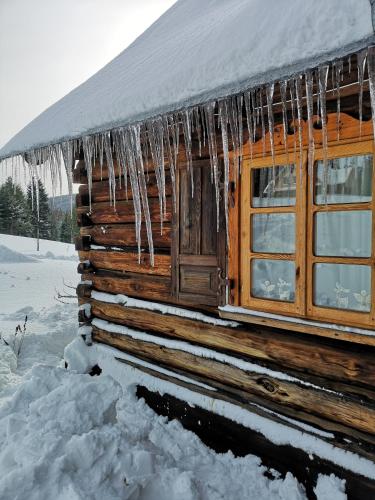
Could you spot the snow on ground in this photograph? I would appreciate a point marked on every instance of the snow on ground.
(70, 436)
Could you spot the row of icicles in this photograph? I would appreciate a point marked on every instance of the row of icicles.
(157, 139)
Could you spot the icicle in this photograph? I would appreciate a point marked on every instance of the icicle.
(233, 125)
(249, 120)
(223, 115)
(293, 106)
(111, 168)
(323, 78)
(240, 130)
(361, 62)
(186, 127)
(269, 95)
(88, 150)
(260, 97)
(157, 154)
(298, 86)
(198, 129)
(338, 69)
(172, 166)
(133, 175)
(136, 139)
(371, 78)
(310, 112)
(283, 89)
(67, 154)
(255, 112)
(350, 65)
(211, 138)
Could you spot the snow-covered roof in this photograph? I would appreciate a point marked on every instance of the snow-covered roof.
(201, 50)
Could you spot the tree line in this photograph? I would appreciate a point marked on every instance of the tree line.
(22, 215)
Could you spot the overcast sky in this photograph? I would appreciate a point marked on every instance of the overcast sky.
(48, 47)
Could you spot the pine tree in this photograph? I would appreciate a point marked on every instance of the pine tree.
(14, 214)
(69, 228)
(40, 219)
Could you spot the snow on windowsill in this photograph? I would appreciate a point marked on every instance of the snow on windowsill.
(290, 319)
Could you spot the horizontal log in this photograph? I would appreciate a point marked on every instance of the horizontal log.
(128, 261)
(132, 284)
(123, 212)
(251, 403)
(100, 190)
(320, 403)
(124, 235)
(339, 362)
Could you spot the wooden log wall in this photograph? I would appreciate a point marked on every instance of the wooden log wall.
(325, 382)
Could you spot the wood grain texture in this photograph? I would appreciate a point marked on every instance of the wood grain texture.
(338, 362)
(123, 235)
(128, 261)
(331, 406)
(123, 212)
(100, 190)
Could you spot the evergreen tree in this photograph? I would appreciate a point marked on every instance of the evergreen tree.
(14, 214)
(69, 228)
(40, 219)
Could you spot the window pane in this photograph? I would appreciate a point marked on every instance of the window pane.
(342, 286)
(343, 234)
(348, 180)
(273, 233)
(273, 279)
(274, 187)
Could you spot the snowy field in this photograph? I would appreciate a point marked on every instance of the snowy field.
(68, 436)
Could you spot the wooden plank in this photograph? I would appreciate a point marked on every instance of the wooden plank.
(334, 407)
(123, 212)
(358, 442)
(128, 261)
(338, 361)
(123, 235)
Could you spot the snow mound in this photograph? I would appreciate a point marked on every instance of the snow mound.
(65, 435)
(7, 255)
(330, 488)
(8, 364)
(47, 248)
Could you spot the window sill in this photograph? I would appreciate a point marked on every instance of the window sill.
(330, 330)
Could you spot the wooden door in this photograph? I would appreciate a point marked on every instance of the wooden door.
(198, 268)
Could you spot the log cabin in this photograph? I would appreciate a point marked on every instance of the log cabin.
(227, 220)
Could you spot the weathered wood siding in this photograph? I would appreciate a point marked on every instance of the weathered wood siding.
(324, 382)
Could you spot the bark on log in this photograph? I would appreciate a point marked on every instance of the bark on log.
(338, 362)
(128, 261)
(122, 212)
(320, 403)
(124, 235)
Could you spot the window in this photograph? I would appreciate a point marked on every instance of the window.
(307, 243)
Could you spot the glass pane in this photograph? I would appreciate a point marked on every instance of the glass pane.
(343, 234)
(348, 180)
(342, 286)
(273, 233)
(274, 187)
(273, 279)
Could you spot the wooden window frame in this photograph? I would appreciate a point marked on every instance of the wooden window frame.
(304, 257)
(247, 255)
(341, 316)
